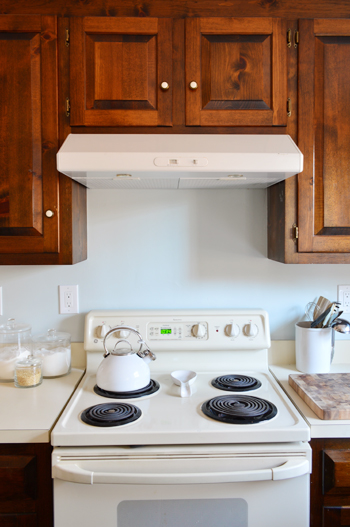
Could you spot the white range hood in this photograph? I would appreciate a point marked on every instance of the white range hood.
(183, 161)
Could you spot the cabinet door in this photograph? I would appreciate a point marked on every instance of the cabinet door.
(26, 489)
(28, 135)
(239, 66)
(324, 136)
(118, 67)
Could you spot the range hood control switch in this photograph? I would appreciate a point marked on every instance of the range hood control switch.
(182, 162)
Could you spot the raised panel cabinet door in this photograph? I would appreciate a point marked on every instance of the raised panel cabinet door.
(121, 71)
(28, 135)
(236, 72)
(336, 516)
(324, 136)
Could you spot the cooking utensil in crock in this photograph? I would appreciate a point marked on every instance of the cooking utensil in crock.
(123, 369)
(184, 379)
(342, 326)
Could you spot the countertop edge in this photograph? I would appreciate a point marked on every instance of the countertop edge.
(32, 427)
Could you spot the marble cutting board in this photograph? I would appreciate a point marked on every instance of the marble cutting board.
(327, 394)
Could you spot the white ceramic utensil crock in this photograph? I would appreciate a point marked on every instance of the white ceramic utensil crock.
(123, 369)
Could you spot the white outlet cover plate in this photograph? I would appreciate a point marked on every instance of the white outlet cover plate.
(69, 299)
(344, 297)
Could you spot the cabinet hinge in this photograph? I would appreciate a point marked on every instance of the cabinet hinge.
(296, 39)
(67, 107)
(295, 232)
(67, 38)
(289, 38)
(289, 107)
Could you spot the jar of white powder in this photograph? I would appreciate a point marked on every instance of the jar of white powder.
(15, 344)
(53, 348)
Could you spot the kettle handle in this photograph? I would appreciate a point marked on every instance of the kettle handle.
(118, 328)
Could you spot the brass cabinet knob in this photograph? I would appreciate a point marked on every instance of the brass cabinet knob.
(49, 213)
(164, 86)
(193, 85)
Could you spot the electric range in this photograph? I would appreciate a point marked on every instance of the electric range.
(175, 441)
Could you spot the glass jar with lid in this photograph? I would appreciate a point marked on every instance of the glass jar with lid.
(53, 348)
(15, 344)
(28, 373)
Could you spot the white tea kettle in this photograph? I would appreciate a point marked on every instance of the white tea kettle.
(123, 369)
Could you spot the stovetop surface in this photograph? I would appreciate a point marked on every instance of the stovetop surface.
(167, 418)
(209, 342)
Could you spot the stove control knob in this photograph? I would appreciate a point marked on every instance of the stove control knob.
(101, 331)
(199, 331)
(232, 330)
(122, 333)
(250, 330)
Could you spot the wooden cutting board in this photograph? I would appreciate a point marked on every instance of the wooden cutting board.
(327, 394)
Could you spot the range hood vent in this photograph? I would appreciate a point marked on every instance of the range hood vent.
(168, 161)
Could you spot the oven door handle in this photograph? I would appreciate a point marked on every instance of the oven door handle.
(69, 471)
(292, 468)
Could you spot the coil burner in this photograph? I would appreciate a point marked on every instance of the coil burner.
(236, 383)
(111, 414)
(151, 388)
(239, 409)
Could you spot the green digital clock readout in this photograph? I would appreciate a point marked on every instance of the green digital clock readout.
(165, 331)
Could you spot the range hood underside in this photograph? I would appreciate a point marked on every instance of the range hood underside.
(185, 182)
(142, 161)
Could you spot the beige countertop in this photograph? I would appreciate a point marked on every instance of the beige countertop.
(282, 364)
(27, 415)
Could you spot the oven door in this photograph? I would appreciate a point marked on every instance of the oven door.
(230, 486)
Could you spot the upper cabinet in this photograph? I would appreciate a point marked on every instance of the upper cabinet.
(121, 71)
(236, 72)
(309, 215)
(28, 135)
(36, 212)
(324, 136)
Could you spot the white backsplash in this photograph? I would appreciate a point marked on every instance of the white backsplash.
(162, 249)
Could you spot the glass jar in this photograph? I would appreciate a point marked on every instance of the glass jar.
(53, 348)
(15, 344)
(28, 373)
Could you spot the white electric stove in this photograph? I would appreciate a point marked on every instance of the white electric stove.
(177, 462)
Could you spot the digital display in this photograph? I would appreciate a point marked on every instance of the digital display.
(165, 331)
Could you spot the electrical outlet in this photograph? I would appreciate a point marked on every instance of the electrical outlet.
(344, 298)
(69, 299)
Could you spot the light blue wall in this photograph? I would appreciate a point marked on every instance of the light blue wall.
(171, 249)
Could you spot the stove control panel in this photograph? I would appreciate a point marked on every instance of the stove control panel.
(246, 329)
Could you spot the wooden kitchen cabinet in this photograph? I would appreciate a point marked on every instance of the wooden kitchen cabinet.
(236, 72)
(26, 491)
(330, 483)
(40, 215)
(317, 201)
(324, 136)
(121, 71)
